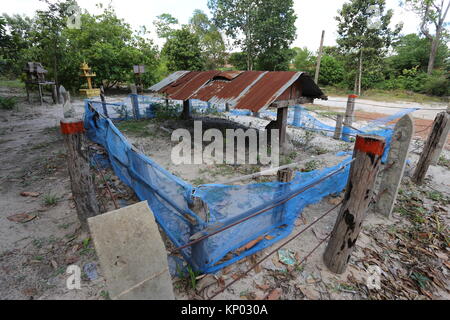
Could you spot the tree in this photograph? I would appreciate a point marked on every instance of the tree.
(263, 29)
(304, 60)
(238, 60)
(164, 25)
(431, 12)
(211, 42)
(364, 35)
(331, 71)
(413, 51)
(182, 51)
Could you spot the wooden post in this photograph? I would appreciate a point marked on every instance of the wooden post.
(81, 181)
(441, 122)
(199, 249)
(27, 88)
(395, 166)
(54, 94)
(319, 58)
(227, 106)
(40, 94)
(348, 120)
(283, 175)
(102, 97)
(442, 142)
(338, 129)
(358, 194)
(186, 114)
(135, 105)
(282, 115)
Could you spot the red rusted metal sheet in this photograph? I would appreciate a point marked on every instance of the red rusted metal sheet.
(188, 88)
(267, 90)
(252, 90)
(221, 91)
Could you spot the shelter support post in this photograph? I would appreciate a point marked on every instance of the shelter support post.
(348, 119)
(81, 181)
(186, 114)
(440, 128)
(135, 105)
(54, 94)
(358, 194)
(392, 173)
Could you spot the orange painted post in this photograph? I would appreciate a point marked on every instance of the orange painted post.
(81, 180)
(358, 194)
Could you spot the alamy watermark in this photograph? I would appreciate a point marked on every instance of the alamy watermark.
(235, 151)
(74, 18)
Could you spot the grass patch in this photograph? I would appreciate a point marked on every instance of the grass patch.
(135, 127)
(50, 199)
(443, 161)
(12, 83)
(384, 95)
(311, 166)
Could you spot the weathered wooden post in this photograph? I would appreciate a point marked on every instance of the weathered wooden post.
(319, 58)
(102, 97)
(283, 175)
(358, 194)
(282, 115)
(54, 94)
(338, 129)
(395, 166)
(199, 249)
(135, 102)
(82, 185)
(348, 120)
(227, 106)
(186, 114)
(442, 142)
(441, 122)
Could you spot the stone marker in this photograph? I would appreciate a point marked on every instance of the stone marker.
(132, 254)
(395, 166)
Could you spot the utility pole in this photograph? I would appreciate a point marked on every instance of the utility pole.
(319, 58)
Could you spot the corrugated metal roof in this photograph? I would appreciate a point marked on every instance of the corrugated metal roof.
(252, 90)
(168, 80)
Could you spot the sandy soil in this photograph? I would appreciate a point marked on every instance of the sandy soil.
(34, 253)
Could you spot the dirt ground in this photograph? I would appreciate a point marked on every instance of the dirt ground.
(36, 246)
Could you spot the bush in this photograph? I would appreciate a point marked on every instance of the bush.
(8, 103)
(331, 71)
(436, 85)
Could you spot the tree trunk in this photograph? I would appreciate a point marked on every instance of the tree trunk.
(433, 52)
(360, 73)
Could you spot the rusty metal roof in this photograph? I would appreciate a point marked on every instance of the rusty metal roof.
(252, 90)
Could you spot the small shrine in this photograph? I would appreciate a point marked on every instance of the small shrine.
(35, 73)
(86, 73)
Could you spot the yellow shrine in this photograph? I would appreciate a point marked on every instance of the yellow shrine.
(86, 73)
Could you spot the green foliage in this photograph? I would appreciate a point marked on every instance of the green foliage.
(238, 60)
(331, 71)
(262, 29)
(182, 51)
(210, 39)
(304, 60)
(105, 42)
(164, 25)
(7, 103)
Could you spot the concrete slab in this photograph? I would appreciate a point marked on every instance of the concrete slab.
(132, 254)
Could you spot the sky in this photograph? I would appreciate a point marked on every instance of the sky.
(313, 16)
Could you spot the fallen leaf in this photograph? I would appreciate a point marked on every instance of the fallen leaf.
(268, 237)
(205, 282)
(227, 269)
(441, 255)
(263, 287)
(29, 194)
(54, 264)
(249, 245)
(221, 282)
(71, 260)
(275, 294)
(21, 217)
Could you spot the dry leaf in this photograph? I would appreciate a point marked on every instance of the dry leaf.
(275, 294)
(29, 194)
(268, 237)
(249, 245)
(227, 269)
(263, 287)
(21, 217)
